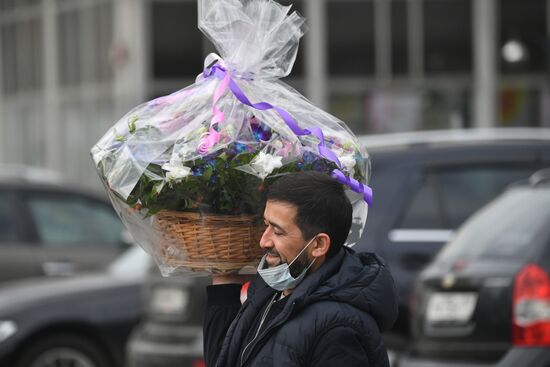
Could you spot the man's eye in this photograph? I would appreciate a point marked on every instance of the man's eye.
(278, 233)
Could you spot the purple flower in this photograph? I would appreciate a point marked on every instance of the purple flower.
(260, 130)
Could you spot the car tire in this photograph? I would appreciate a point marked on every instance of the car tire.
(63, 349)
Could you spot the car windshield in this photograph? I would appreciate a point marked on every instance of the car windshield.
(133, 263)
(509, 227)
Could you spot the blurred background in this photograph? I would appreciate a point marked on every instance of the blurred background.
(414, 79)
(70, 68)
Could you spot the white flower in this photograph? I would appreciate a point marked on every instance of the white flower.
(176, 171)
(264, 164)
(348, 161)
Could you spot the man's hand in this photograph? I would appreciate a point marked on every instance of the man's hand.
(230, 279)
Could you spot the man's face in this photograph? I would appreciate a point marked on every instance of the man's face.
(282, 240)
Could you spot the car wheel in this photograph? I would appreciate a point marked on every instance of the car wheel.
(62, 350)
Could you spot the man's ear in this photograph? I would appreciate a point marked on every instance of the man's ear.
(321, 245)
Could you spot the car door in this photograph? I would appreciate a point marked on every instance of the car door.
(17, 258)
(74, 232)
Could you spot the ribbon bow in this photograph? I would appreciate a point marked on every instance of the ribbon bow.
(217, 68)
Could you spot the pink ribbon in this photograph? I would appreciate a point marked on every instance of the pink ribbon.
(212, 137)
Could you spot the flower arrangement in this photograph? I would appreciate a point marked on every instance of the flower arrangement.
(228, 180)
(186, 172)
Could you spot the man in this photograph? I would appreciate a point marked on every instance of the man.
(314, 302)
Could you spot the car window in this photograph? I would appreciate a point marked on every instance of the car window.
(465, 190)
(510, 227)
(425, 208)
(448, 196)
(8, 219)
(70, 219)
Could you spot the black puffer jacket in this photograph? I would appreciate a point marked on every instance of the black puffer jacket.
(333, 318)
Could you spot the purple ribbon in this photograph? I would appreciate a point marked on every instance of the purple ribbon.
(220, 72)
(355, 185)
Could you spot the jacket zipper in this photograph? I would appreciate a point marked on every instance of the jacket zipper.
(262, 320)
(282, 320)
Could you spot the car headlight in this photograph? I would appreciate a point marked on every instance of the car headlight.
(7, 329)
(169, 301)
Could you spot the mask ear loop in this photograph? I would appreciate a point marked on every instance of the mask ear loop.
(297, 256)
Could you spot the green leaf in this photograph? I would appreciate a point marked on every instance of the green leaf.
(120, 138)
(132, 124)
(207, 173)
(157, 188)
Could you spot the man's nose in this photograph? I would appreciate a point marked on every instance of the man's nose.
(265, 241)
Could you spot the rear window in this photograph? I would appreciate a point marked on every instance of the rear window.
(512, 226)
(448, 196)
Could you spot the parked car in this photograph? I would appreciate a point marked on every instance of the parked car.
(425, 185)
(486, 297)
(49, 228)
(82, 321)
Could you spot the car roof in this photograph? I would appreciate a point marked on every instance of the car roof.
(23, 177)
(451, 138)
(18, 173)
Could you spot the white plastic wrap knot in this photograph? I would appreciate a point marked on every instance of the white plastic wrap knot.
(257, 39)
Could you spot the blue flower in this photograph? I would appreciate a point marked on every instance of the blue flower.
(260, 130)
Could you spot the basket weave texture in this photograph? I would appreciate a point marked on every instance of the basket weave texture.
(209, 242)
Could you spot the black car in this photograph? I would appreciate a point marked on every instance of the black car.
(425, 185)
(486, 297)
(51, 228)
(82, 321)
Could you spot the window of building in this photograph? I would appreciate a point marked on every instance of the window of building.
(84, 36)
(7, 5)
(69, 47)
(350, 37)
(410, 109)
(350, 108)
(177, 43)
(21, 66)
(519, 106)
(399, 46)
(447, 36)
(9, 60)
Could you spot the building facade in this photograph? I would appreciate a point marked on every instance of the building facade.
(70, 68)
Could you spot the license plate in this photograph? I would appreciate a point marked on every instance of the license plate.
(457, 307)
(168, 300)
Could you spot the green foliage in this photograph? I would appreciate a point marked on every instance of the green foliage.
(217, 185)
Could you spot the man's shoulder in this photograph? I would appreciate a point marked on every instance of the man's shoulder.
(330, 313)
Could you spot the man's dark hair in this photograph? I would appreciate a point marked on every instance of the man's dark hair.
(322, 205)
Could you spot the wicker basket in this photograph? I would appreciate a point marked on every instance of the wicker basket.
(209, 242)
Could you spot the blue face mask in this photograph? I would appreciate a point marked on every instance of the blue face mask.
(279, 277)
